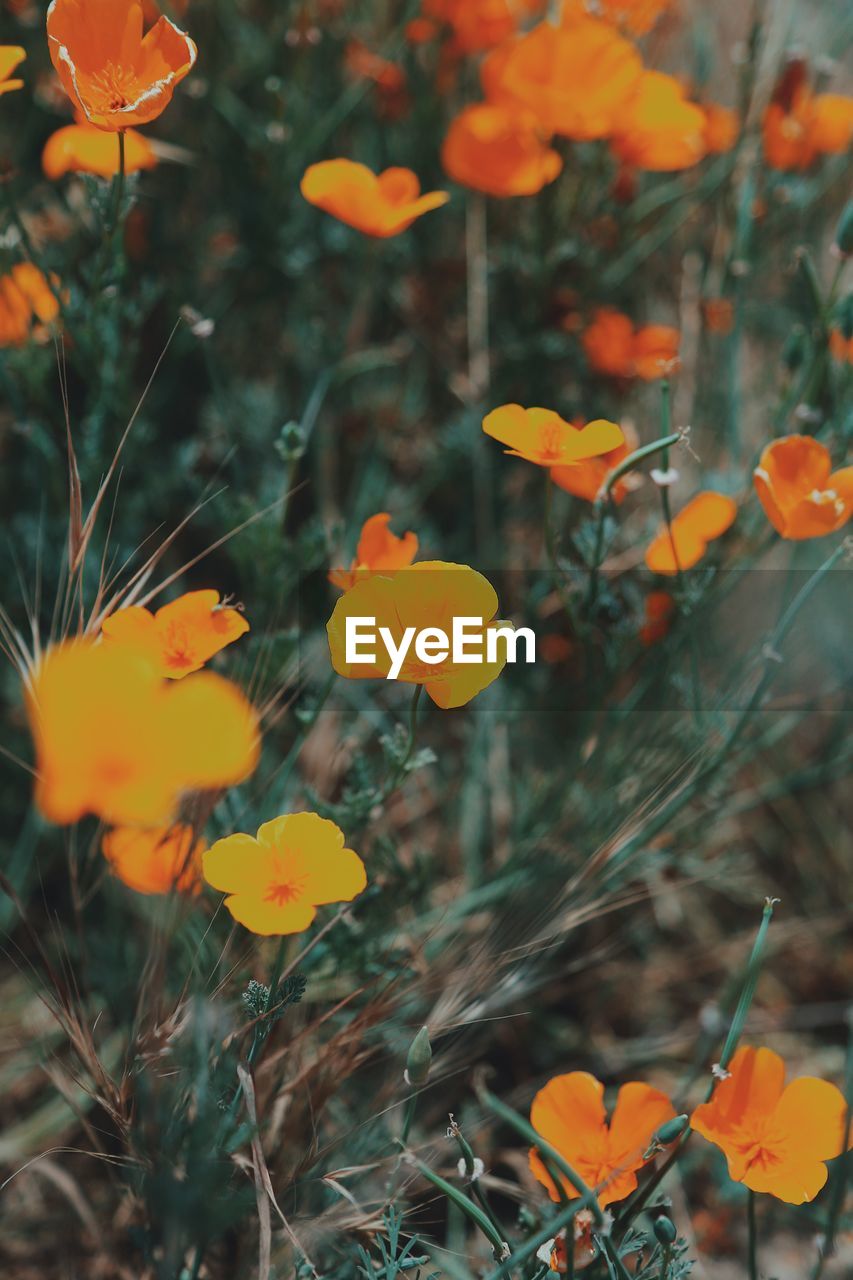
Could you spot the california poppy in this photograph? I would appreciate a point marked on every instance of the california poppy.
(569, 1114)
(379, 551)
(543, 437)
(117, 77)
(802, 497)
(799, 125)
(27, 299)
(84, 148)
(585, 479)
(776, 1138)
(578, 79)
(11, 56)
(722, 126)
(182, 635)
(155, 860)
(682, 545)
(499, 150)
(381, 206)
(477, 25)
(112, 738)
(661, 130)
(429, 595)
(615, 348)
(276, 880)
(840, 347)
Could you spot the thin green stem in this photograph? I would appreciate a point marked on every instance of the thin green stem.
(551, 550)
(753, 1237)
(398, 773)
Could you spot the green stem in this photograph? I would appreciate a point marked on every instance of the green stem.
(629, 463)
(468, 1207)
(753, 1238)
(667, 1256)
(551, 550)
(398, 773)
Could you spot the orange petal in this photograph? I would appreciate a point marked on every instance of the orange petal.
(268, 919)
(752, 1089)
(639, 1111)
(569, 1114)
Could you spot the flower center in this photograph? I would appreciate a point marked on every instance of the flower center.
(114, 87)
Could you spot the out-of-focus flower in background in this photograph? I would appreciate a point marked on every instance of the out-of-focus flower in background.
(499, 150)
(84, 148)
(155, 860)
(28, 301)
(378, 205)
(543, 437)
(182, 635)
(379, 551)
(802, 497)
(683, 544)
(11, 56)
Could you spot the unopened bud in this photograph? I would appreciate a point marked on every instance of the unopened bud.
(664, 1229)
(419, 1059)
(672, 1130)
(844, 230)
(291, 443)
(794, 349)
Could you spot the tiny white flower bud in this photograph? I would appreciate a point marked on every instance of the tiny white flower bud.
(720, 1073)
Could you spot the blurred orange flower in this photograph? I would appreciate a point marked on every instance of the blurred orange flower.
(585, 479)
(799, 125)
(26, 297)
(499, 150)
(276, 881)
(11, 56)
(722, 126)
(661, 131)
(84, 148)
(543, 437)
(634, 16)
(615, 348)
(659, 608)
(719, 315)
(569, 1114)
(381, 206)
(840, 348)
(706, 517)
(157, 860)
(478, 25)
(379, 551)
(800, 497)
(115, 740)
(428, 595)
(182, 635)
(116, 77)
(578, 79)
(776, 1138)
(390, 79)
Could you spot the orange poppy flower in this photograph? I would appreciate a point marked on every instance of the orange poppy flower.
(155, 861)
(499, 150)
(543, 437)
(477, 25)
(634, 16)
(659, 609)
(276, 881)
(799, 125)
(117, 77)
(578, 79)
(115, 740)
(379, 551)
(706, 517)
(776, 1138)
(616, 349)
(840, 348)
(722, 126)
(381, 206)
(84, 148)
(661, 131)
(429, 595)
(11, 56)
(26, 299)
(585, 479)
(800, 497)
(569, 1114)
(182, 635)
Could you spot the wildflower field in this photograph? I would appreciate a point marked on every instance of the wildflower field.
(425, 691)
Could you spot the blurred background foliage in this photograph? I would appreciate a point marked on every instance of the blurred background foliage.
(560, 882)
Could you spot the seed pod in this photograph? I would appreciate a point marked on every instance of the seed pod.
(419, 1059)
(672, 1130)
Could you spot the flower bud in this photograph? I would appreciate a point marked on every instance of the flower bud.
(843, 318)
(664, 1229)
(844, 230)
(291, 443)
(794, 350)
(672, 1130)
(419, 1059)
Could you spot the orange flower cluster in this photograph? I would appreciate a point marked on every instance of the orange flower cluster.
(616, 349)
(181, 636)
(379, 551)
(776, 1138)
(114, 75)
(802, 497)
(27, 301)
(114, 739)
(541, 436)
(158, 860)
(11, 56)
(799, 125)
(276, 880)
(380, 206)
(569, 1114)
(682, 545)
